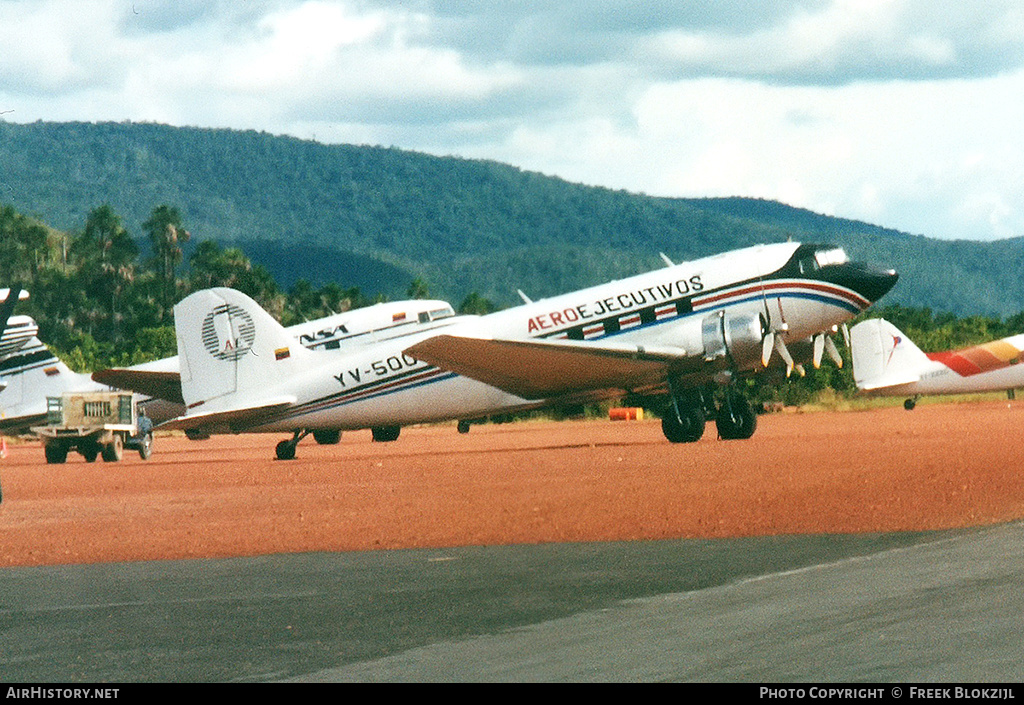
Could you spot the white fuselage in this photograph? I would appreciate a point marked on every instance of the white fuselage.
(30, 372)
(942, 380)
(380, 384)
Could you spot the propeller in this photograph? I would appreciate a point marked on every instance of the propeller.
(774, 342)
(824, 343)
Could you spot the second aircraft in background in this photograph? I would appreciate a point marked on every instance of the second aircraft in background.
(888, 363)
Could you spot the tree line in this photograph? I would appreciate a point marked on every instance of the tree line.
(104, 298)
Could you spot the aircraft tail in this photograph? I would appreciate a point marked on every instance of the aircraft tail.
(883, 356)
(232, 353)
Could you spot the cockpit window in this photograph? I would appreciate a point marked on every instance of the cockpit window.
(836, 255)
(437, 313)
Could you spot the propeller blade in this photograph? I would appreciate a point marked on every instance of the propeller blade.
(800, 370)
(767, 345)
(819, 348)
(833, 352)
(846, 335)
(784, 354)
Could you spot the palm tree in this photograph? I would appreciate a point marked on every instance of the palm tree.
(108, 257)
(167, 234)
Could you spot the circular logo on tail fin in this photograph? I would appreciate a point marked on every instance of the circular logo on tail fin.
(228, 332)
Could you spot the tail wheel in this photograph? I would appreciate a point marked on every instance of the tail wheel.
(286, 450)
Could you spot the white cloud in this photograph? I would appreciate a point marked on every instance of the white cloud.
(902, 112)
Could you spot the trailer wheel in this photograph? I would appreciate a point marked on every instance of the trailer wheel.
(55, 453)
(114, 451)
(146, 446)
(89, 451)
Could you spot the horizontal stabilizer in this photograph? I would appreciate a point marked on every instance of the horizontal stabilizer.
(539, 369)
(232, 420)
(888, 381)
(162, 385)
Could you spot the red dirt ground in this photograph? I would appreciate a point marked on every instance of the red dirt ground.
(940, 466)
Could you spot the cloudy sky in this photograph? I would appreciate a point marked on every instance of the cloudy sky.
(904, 113)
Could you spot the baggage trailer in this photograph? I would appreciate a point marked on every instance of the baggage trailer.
(95, 424)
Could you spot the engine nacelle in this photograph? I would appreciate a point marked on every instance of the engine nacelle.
(737, 338)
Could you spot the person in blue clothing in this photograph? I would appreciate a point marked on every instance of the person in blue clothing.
(144, 426)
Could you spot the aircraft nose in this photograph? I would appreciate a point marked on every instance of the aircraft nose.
(870, 281)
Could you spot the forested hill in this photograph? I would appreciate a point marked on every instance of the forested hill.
(377, 217)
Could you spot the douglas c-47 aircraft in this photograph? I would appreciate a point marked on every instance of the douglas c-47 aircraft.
(689, 331)
(887, 363)
(29, 372)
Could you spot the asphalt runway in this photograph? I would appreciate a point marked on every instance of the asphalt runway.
(919, 607)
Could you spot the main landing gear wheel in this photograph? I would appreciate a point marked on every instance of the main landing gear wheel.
(386, 434)
(735, 418)
(683, 423)
(327, 437)
(909, 404)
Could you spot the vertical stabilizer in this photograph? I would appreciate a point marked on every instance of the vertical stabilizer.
(883, 356)
(233, 354)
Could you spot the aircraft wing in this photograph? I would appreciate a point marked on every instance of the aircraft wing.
(16, 425)
(153, 383)
(540, 369)
(234, 420)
